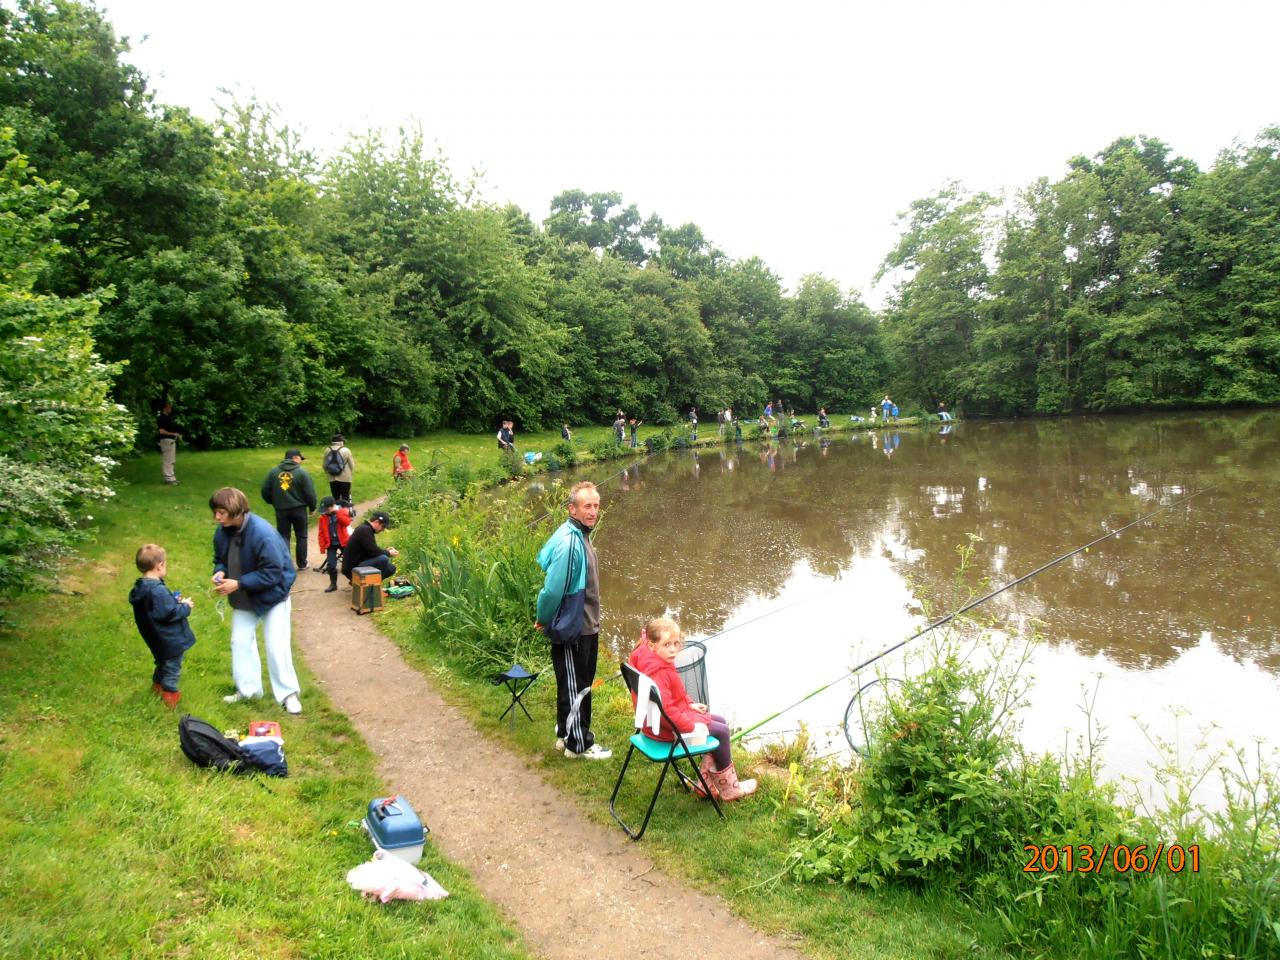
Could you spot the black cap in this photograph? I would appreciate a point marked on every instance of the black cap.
(381, 517)
(327, 502)
(293, 452)
(337, 438)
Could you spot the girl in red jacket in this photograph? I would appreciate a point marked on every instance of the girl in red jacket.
(655, 657)
(334, 521)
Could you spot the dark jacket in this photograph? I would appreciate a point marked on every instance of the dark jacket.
(362, 546)
(266, 569)
(288, 486)
(161, 619)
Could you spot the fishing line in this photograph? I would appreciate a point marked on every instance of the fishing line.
(969, 606)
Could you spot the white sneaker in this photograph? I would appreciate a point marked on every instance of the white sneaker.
(593, 752)
(292, 704)
(559, 744)
(238, 697)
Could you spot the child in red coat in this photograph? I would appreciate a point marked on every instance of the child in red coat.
(334, 521)
(655, 657)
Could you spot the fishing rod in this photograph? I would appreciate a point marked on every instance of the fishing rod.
(967, 607)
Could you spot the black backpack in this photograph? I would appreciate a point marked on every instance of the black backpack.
(334, 462)
(205, 746)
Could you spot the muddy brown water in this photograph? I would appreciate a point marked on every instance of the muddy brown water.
(810, 556)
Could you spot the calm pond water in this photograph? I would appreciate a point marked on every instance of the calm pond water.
(817, 554)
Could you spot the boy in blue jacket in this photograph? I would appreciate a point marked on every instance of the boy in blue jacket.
(162, 619)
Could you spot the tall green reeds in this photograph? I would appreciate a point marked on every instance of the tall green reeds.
(474, 569)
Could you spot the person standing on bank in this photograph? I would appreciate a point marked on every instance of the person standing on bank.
(252, 569)
(169, 437)
(339, 465)
(568, 614)
(507, 436)
(401, 467)
(362, 548)
(289, 489)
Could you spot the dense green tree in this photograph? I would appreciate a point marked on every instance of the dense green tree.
(601, 222)
(937, 304)
(1230, 272)
(59, 429)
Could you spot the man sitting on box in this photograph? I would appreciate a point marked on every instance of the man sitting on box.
(362, 549)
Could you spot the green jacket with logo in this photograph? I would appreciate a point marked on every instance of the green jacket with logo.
(289, 486)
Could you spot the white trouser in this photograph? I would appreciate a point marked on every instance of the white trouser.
(246, 666)
(168, 457)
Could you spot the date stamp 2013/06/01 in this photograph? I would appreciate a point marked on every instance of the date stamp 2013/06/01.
(1120, 858)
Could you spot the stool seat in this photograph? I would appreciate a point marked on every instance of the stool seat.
(517, 680)
(366, 589)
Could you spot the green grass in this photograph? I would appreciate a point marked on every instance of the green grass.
(115, 845)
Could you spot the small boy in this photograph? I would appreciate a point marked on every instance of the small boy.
(161, 616)
(333, 523)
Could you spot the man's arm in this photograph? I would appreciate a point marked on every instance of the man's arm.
(555, 586)
(309, 492)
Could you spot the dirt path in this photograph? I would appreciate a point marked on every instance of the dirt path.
(574, 889)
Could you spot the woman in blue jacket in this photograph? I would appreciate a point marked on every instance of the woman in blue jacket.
(253, 570)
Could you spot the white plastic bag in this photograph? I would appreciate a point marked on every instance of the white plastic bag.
(389, 878)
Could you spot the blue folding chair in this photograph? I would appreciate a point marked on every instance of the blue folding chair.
(669, 754)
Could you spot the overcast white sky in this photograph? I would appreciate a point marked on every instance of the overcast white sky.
(794, 131)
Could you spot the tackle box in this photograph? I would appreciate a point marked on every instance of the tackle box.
(395, 828)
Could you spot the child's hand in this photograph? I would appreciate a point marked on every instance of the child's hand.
(700, 707)
(189, 601)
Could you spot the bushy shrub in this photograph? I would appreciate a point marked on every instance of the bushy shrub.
(511, 463)
(565, 453)
(947, 799)
(657, 442)
(60, 434)
(608, 449)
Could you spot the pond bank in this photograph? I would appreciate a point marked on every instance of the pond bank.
(573, 887)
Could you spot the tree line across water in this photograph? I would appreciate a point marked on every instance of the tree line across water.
(271, 294)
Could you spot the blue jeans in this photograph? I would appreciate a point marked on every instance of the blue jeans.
(167, 672)
(382, 564)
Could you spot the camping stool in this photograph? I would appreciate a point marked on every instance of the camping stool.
(518, 680)
(366, 589)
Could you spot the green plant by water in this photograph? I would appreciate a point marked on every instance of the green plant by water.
(947, 800)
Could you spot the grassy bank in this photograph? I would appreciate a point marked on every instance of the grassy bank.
(475, 566)
(742, 859)
(116, 846)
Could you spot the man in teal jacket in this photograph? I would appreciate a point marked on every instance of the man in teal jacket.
(569, 560)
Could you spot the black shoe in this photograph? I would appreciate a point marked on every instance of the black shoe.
(321, 569)
(331, 588)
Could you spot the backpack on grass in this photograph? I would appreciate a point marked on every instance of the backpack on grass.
(205, 746)
(334, 463)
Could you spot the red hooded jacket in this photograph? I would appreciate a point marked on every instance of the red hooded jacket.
(344, 521)
(675, 699)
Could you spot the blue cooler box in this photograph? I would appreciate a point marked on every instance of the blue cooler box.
(395, 828)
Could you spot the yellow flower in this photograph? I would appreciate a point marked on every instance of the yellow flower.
(455, 541)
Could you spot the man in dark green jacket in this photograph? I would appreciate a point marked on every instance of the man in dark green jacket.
(289, 489)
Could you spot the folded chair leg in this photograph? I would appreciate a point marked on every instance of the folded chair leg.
(613, 811)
